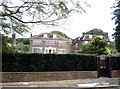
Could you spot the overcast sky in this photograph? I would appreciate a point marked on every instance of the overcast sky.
(97, 16)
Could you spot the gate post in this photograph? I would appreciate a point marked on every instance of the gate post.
(103, 66)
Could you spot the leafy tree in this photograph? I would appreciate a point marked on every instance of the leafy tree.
(6, 47)
(61, 34)
(96, 32)
(26, 48)
(112, 44)
(15, 18)
(116, 17)
(112, 48)
(97, 46)
(24, 40)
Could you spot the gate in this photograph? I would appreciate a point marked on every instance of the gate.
(103, 66)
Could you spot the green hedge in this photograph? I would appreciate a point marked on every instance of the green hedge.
(51, 62)
(115, 63)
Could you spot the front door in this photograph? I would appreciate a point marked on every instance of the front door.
(49, 50)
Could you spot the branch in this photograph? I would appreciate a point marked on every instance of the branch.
(43, 22)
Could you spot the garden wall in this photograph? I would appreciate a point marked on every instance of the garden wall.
(51, 76)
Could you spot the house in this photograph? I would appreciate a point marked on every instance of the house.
(49, 43)
(86, 38)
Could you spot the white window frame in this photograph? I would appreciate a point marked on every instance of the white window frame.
(90, 36)
(37, 49)
(45, 35)
(62, 43)
(62, 51)
(86, 42)
(54, 36)
(50, 42)
(35, 42)
(76, 45)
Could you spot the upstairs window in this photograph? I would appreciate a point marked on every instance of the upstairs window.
(76, 45)
(90, 36)
(45, 35)
(54, 36)
(37, 43)
(61, 43)
(50, 42)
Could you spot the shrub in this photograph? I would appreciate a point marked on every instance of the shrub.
(21, 62)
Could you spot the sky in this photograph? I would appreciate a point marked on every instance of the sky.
(99, 15)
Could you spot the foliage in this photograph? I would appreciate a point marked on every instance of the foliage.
(97, 46)
(115, 62)
(112, 44)
(6, 47)
(116, 17)
(24, 40)
(52, 62)
(47, 62)
(96, 32)
(112, 48)
(15, 17)
(26, 48)
(61, 34)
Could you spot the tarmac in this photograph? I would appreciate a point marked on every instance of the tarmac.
(97, 83)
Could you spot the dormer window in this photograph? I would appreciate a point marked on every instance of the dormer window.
(90, 36)
(54, 36)
(79, 38)
(45, 35)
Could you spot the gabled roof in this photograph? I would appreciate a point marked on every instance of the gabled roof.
(49, 37)
(84, 37)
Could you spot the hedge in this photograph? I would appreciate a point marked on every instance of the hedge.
(51, 62)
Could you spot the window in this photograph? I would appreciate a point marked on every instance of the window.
(61, 43)
(45, 35)
(86, 42)
(79, 38)
(36, 42)
(36, 49)
(54, 36)
(62, 51)
(50, 42)
(90, 36)
(76, 45)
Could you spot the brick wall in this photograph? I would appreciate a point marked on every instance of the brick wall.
(50, 76)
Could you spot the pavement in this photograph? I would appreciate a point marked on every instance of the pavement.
(109, 83)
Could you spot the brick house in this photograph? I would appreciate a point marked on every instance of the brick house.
(86, 38)
(49, 43)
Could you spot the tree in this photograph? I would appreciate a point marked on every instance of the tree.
(6, 47)
(112, 48)
(15, 18)
(96, 32)
(26, 48)
(97, 46)
(61, 34)
(25, 41)
(116, 17)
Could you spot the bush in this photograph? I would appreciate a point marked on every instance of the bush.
(22, 62)
(115, 62)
